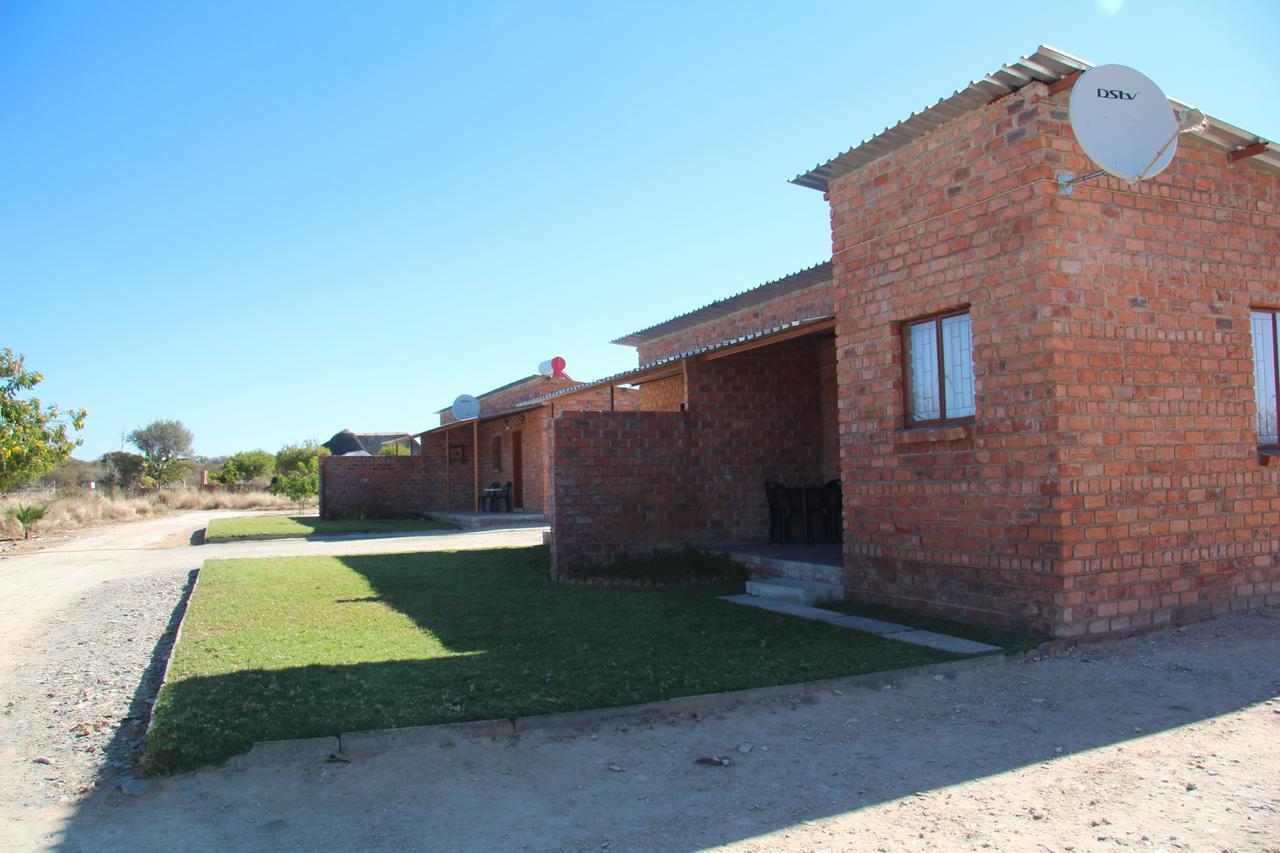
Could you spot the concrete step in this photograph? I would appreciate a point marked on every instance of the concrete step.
(491, 519)
(820, 570)
(888, 630)
(790, 608)
(799, 592)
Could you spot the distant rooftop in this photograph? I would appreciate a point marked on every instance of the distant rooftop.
(347, 442)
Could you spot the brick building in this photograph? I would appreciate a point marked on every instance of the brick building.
(1048, 411)
(454, 462)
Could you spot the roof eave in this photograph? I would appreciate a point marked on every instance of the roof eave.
(1046, 65)
(758, 295)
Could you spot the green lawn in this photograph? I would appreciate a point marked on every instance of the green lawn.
(302, 647)
(287, 526)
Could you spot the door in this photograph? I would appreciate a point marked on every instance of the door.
(517, 469)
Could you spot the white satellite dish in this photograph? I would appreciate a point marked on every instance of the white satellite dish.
(466, 407)
(1123, 122)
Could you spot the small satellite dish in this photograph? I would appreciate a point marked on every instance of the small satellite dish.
(1123, 122)
(466, 407)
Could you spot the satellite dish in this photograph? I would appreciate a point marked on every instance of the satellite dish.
(466, 407)
(1123, 122)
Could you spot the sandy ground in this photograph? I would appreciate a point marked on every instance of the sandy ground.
(1170, 741)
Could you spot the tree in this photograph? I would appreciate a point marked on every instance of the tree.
(74, 473)
(300, 458)
(33, 439)
(395, 448)
(247, 466)
(123, 469)
(298, 471)
(165, 446)
(297, 487)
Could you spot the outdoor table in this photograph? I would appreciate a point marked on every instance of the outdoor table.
(488, 496)
(810, 501)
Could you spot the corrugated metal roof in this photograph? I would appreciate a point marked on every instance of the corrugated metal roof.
(1046, 65)
(493, 391)
(730, 304)
(620, 378)
(518, 409)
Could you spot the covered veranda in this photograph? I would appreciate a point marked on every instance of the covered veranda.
(485, 469)
(749, 411)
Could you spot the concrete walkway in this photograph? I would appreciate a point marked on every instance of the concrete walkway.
(890, 630)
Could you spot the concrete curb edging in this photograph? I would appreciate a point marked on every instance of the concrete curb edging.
(173, 647)
(367, 743)
(328, 537)
(278, 751)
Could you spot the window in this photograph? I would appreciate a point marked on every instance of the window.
(938, 361)
(1265, 368)
(495, 452)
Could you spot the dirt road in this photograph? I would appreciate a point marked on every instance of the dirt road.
(1164, 742)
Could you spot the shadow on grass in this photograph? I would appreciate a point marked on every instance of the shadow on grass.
(513, 644)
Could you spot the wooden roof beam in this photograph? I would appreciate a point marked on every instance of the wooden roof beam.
(769, 340)
(1248, 151)
(1059, 86)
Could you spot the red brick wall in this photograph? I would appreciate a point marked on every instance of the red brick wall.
(533, 456)
(398, 485)
(626, 399)
(947, 520)
(624, 484)
(373, 486)
(597, 399)
(1166, 514)
(757, 417)
(813, 301)
(1109, 481)
(459, 488)
(385, 490)
(635, 482)
(663, 395)
(828, 407)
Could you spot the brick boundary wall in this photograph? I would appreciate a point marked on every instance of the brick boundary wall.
(623, 485)
(373, 486)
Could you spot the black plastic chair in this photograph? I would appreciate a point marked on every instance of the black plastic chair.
(503, 497)
(779, 498)
(489, 496)
(833, 511)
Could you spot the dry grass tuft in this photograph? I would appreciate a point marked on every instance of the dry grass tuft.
(74, 510)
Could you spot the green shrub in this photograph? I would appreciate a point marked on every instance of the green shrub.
(246, 467)
(26, 516)
(296, 487)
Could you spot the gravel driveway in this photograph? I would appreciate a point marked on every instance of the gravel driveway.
(1170, 741)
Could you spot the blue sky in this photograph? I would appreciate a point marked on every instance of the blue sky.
(275, 220)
